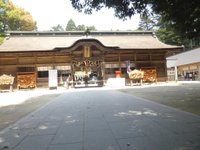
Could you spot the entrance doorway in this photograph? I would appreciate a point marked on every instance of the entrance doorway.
(87, 72)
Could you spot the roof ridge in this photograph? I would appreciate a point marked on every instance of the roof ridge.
(54, 33)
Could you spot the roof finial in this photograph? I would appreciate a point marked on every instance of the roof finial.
(87, 32)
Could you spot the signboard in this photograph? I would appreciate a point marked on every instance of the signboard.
(171, 72)
(171, 63)
(53, 80)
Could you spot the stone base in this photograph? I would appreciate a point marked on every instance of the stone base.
(115, 82)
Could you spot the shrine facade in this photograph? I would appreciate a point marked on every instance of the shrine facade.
(88, 58)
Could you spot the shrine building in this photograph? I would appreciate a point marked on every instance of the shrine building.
(28, 56)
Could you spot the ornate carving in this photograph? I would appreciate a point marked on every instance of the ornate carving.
(150, 74)
(6, 79)
(136, 74)
(6, 82)
(87, 63)
(27, 80)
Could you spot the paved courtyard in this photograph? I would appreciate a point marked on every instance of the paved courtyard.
(103, 119)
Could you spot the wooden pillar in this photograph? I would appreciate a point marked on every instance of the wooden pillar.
(135, 59)
(176, 73)
(103, 69)
(119, 60)
(72, 71)
(54, 61)
(150, 58)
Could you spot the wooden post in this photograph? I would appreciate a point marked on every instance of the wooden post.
(176, 73)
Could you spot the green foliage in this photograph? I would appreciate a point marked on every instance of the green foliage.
(15, 18)
(148, 21)
(183, 14)
(57, 28)
(71, 26)
(166, 32)
(169, 35)
(2, 36)
(2, 15)
(81, 27)
(91, 28)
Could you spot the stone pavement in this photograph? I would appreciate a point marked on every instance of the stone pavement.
(100, 119)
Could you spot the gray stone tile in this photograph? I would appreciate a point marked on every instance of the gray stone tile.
(73, 146)
(93, 114)
(150, 128)
(95, 124)
(114, 117)
(35, 143)
(100, 140)
(103, 120)
(186, 141)
(179, 116)
(72, 119)
(69, 134)
(141, 143)
(13, 136)
(53, 118)
(130, 115)
(46, 128)
(126, 130)
(27, 123)
(179, 127)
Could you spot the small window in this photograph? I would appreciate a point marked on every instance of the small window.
(43, 74)
(26, 69)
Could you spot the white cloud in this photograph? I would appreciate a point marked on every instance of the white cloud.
(50, 13)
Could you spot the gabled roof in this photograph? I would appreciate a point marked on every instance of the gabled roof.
(188, 57)
(45, 41)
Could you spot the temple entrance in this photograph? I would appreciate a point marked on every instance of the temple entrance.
(87, 72)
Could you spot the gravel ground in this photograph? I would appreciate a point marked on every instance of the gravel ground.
(183, 96)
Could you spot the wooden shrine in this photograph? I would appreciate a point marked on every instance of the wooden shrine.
(89, 59)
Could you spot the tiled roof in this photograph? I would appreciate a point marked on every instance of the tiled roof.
(188, 57)
(41, 41)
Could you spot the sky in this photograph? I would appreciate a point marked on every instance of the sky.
(49, 13)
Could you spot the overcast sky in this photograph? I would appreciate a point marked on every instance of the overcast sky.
(49, 13)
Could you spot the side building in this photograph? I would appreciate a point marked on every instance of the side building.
(184, 66)
(97, 55)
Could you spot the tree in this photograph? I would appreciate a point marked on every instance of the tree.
(15, 18)
(183, 14)
(81, 27)
(57, 28)
(169, 35)
(91, 28)
(1, 38)
(2, 16)
(148, 21)
(71, 26)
